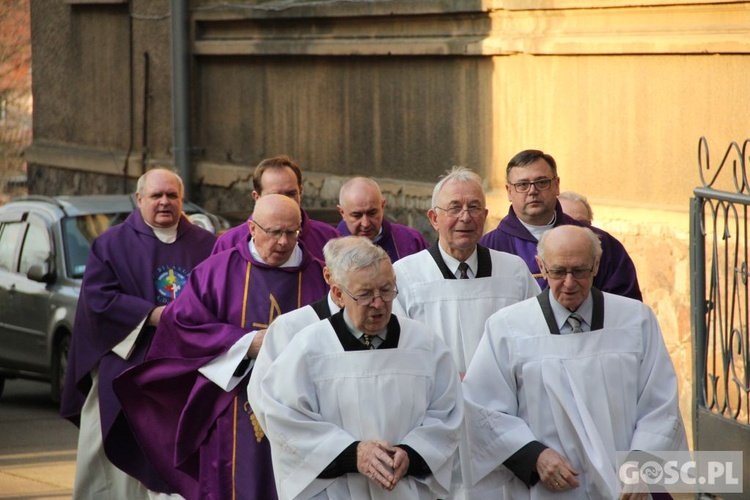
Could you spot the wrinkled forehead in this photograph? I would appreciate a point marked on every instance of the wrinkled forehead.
(161, 184)
(376, 276)
(279, 219)
(572, 254)
(363, 205)
(460, 192)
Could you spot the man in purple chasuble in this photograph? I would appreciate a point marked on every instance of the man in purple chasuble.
(361, 205)
(133, 271)
(281, 175)
(533, 186)
(188, 401)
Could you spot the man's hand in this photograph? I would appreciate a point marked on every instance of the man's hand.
(555, 472)
(155, 316)
(256, 344)
(374, 460)
(400, 465)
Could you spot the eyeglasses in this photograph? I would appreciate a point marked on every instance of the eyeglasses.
(366, 298)
(277, 233)
(540, 185)
(456, 211)
(578, 273)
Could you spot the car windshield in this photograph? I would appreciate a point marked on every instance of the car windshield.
(79, 232)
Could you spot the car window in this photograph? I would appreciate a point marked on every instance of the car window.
(79, 232)
(10, 233)
(36, 248)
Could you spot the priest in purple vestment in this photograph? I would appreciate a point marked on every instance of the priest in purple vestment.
(188, 401)
(134, 269)
(281, 175)
(533, 186)
(362, 206)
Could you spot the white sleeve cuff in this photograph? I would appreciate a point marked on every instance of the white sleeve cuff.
(220, 370)
(125, 348)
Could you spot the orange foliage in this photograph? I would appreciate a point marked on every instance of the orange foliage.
(15, 45)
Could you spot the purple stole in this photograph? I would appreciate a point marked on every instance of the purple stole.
(201, 438)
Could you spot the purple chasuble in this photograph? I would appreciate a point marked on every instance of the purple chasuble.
(200, 437)
(398, 241)
(128, 273)
(616, 270)
(313, 234)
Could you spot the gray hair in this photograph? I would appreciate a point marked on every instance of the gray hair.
(595, 245)
(348, 184)
(141, 184)
(572, 196)
(351, 253)
(458, 174)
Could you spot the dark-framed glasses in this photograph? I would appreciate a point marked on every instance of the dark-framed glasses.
(366, 298)
(457, 210)
(560, 273)
(540, 185)
(277, 233)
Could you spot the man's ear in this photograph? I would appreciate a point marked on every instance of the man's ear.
(596, 266)
(327, 275)
(252, 227)
(432, 217)
(540, 264)
(256, 195)
(341, 211)
(338, 294)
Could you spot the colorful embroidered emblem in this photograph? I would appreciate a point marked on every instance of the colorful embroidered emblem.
(169, 282)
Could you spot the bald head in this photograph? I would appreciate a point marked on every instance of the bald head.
(273, 207)
(362, 207)
(274, 228)
(569, 259)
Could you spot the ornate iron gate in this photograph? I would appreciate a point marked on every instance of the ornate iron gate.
(719, 216)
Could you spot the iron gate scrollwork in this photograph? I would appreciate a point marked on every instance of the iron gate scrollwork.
(719, 215)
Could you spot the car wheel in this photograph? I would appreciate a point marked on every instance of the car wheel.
(59, 365)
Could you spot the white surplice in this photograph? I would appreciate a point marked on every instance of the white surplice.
(586, 395)
(279, 334)
(457, 309)
(408, 395)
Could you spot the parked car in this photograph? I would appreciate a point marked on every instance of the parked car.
(44, 245)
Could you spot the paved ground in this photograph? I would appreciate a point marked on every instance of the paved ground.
(37, 447)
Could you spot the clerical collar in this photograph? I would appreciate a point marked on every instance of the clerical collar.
(376, 339)
(585, 310)
(166, 235)
(294, 260)
(538, 231)
(378, 236)
(452, 262)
